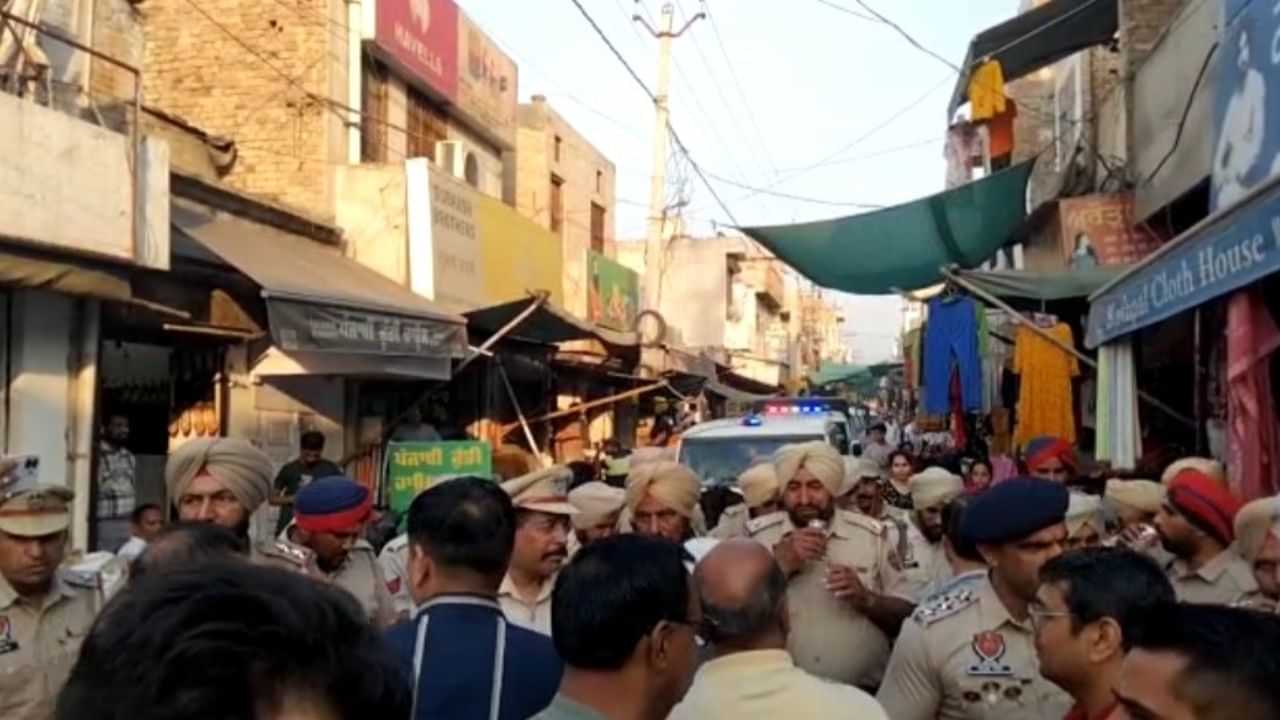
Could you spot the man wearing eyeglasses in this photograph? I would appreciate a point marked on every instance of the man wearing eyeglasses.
(1085, 597)
(969, 654)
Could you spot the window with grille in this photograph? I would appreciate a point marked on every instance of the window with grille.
(425, 125)
(373, 118)
(557, 204)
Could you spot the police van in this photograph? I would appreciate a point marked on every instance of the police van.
(720, 450)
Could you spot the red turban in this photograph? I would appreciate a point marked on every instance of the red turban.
(1205, 504)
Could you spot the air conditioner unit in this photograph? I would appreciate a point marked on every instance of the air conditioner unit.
(455, 158)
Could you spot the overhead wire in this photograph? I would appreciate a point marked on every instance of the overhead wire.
(916, 43)
(742, 94)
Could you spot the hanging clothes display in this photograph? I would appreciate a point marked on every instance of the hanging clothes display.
(1119, 432)
(1000, 135)
(1045, 399)
(986, 91)
(963, 147)
(951, 341)
(1252, 337)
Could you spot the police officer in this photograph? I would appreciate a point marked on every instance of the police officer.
(599, 505)
(218, 480)
(759, 488)
(1197, 524)
(969, 654)
(43, 619)
(925, 564)
(844, 596)
(543, 511)
(329, 518)
(394, 560)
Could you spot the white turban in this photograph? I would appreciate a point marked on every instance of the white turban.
(596, 503)
(1084, 510)
(933, 487)
(759, 485)
(818, 457)
(1253, 523)
(672, 484)
(1208, 466)
(243, 468)
(1144, 495)
(855, 470)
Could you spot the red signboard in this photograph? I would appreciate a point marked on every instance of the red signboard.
(422, 35)
(1099, 230)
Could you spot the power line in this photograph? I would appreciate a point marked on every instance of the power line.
(908, 36)
(846, 10)
(654, 98)
(764, 144)
(789, 196)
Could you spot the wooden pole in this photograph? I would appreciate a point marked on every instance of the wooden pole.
(1024, 320)
(588, 405)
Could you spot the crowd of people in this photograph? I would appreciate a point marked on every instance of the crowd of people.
(839, 587)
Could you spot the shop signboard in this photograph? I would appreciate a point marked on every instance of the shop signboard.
(486, 83)
(416, 466)
(1219, 256)
(1099, 230)
(422, 37)
(444, 237)
(309, 327)
(1246, 111)
(613, 295)
(519, 256)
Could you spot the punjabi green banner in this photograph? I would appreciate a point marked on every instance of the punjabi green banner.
(416, 466)
(614, 294)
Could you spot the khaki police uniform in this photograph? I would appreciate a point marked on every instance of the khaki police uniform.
(829, 638)
(40, 638)
(1221, 581)
(394, 560)
(962, 656)
(925, 564)
(733, 523)
(535, 616)
(360, 574)
(767, 684)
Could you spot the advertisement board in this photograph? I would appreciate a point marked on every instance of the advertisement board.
(519, 256)
(416, 466)
(444, 237)
(422, 37)
(486, 82)
(1246, 112)
(613, 295)
(1099, 230)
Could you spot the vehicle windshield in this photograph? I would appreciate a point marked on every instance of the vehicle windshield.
(720, 461)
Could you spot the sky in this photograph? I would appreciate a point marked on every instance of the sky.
(799, 97)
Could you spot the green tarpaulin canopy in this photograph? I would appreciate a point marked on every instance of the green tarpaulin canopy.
(830, 373)
(904, 247)
(1047, 286)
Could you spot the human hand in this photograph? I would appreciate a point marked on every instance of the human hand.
(800, 547)
(843, 582)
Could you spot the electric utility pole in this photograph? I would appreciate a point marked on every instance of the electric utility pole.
(654, 255)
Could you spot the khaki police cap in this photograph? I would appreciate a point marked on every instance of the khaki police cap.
(542, 490)
(32, 509)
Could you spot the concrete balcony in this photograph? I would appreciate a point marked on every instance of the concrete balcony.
(764, 276)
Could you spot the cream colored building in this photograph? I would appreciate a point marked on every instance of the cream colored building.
(565, 184)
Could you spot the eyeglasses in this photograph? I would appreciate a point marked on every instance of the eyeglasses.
(1039, 615)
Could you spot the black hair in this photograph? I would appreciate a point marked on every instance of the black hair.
(312, 440)
(612, 594)
(894, 456)
(981, 460)
(135, 517)
(1233, 669)
(189, 544)
(878, 426)
(952, 523)
(467, 523)
(753, 618)
(221, 640)
(1102, 582)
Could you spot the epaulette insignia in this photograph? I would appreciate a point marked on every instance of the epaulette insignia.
(943, 606)
(288, 552)
(876, 527)
(760, 524)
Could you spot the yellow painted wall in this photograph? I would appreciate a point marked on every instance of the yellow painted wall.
(517, 255)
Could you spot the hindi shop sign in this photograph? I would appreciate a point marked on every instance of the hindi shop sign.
(416, 466)
(422, 37)
(1224, 255)
(1099, 230)
(307, 327)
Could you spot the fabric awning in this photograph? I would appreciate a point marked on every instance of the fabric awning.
(1047, 286)
(830, 373)
(547, 324)
(30, 268)
(729, 392)
(905, 247)
(319, 301)
(1226, 251)
(1037, 38)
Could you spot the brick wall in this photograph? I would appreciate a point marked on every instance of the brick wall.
(118, 32)
(1141, 23)
(288, 134)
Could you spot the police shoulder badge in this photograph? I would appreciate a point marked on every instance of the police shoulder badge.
(989, 647)
(943, 605)
(7, 643)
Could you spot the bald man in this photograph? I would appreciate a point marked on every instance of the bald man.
(751, 673)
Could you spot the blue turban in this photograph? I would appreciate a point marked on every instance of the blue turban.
(1015, 509)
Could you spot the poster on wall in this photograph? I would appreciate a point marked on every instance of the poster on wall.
(614, 293)
(416, 466)
(486, 82)
(422, 37)
(1246, 111)
(1098, 230)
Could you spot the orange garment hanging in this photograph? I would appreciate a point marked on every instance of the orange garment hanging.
(1045, 403)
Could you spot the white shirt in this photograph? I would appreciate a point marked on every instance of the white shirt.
(131, 549)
